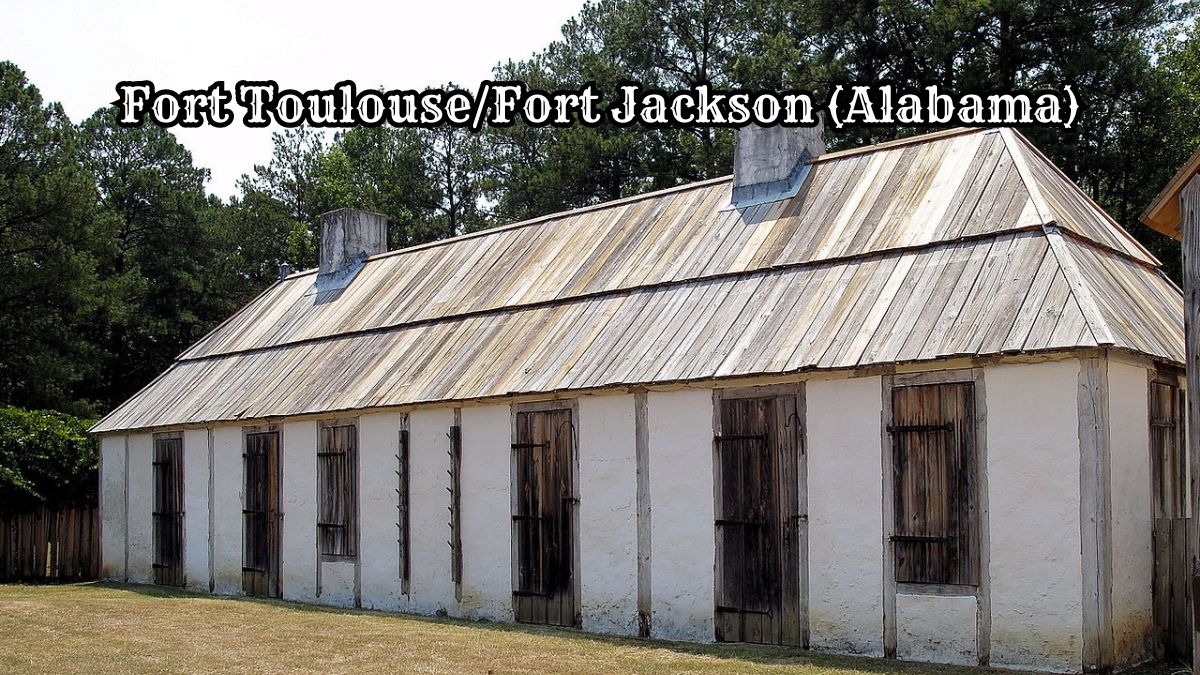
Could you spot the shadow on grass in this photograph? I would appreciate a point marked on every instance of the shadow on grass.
(757, 654)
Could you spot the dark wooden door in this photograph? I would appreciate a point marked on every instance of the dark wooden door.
(758, 521)
(1172, 596)
(168, 510)
(260, 515)
(543, 518)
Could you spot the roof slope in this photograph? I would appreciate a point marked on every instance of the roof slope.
(955, 243)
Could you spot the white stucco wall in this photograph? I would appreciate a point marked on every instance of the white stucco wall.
(141, 508)
(936, 629)
(337, 583)
(486, 513)
(845, 516)
(298, 501)
(112, 507)
(431, 588)
(608, 514)
(1034, 515)
(378, 445)
(227, 509)
(1132, 525)
(681, 529)
(195, 508)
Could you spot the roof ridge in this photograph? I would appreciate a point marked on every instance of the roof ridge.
(621, 201)
(899, 142)
(707, 182)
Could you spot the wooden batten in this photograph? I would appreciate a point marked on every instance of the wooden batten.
(644, 552)
(1095, 515)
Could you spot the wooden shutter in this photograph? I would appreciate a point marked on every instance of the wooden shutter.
(746, 515)
(168, 510)
(936, 538)
(337, 480)
(260, 514)
(402, 516)
(528, 522)
(455, 504)
(1170, 455)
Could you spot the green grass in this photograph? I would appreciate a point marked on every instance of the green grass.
(100, 628)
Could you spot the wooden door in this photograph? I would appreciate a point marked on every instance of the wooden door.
(1172, 596)
(168, 509)
(260, 515)
(759, 524)
(543, 518)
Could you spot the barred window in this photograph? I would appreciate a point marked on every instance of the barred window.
(402, 522)
(337, 487)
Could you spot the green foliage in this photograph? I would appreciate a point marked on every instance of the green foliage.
(50, 244)
(113, 259)
(46, 458)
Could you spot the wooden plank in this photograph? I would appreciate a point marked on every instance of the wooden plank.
(644, 551)
(1095, 516)
(1189, 204)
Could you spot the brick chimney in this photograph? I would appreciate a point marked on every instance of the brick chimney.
(348, 236)
(770, 163)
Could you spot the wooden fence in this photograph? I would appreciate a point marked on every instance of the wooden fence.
(50, 544)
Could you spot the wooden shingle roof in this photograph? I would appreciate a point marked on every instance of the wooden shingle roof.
(966, 242)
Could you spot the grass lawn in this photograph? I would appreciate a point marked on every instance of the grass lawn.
(99, 628)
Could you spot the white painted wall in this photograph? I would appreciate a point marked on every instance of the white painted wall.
(195, 508)
(1132, 524)
(429, 461)
(680, 426)
(487, 513)
(936, 629)
(1034, 515)
(337, 583)
(141, 508)
(378, 445)
(227, 509)
(1033, 490)
(608, 514)
(845, 515)
(298, 501)
(112, 507)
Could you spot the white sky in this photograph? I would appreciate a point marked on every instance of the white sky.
(75, 51)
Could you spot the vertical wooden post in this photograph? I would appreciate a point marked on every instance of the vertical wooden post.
(642, 457)
(1189, 225)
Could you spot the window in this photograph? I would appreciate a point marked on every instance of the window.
(455, 506)
(168, 509)
(936, 537)
(402, 519)
(337, 487)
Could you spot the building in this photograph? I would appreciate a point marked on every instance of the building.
(920, 399)
(1175, 212)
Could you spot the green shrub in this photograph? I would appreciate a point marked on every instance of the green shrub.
(46, 458)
